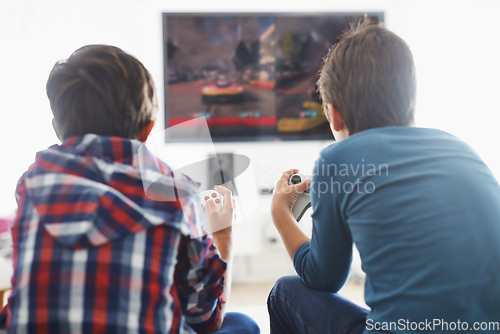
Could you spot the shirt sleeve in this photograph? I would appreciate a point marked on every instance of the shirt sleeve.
(324, 262)
(199, 282)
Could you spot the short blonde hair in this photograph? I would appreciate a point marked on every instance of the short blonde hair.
(369, 77)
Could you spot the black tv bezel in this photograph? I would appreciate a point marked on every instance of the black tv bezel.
(252, 138)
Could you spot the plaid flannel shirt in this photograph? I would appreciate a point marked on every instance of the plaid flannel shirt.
(94, 254)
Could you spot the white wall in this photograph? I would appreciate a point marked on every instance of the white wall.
(454, 44)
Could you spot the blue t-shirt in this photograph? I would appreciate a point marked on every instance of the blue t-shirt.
(423, 210)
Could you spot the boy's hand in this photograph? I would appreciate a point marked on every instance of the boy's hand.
(285, 195)
(221, 223)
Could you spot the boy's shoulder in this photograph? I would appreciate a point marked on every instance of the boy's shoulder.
(384, 139)
(94, 182)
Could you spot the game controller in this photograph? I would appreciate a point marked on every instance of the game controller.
(204, 196)
(304, 200)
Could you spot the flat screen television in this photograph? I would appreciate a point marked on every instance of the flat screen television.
(251, 76)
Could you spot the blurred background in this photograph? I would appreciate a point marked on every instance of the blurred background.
(454, 44)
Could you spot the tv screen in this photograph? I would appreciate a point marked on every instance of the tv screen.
(251, 76)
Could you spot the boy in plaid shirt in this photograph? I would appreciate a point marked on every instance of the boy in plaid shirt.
(94, 254)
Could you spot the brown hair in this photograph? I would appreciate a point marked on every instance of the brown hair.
(103, 90)
(369, 77)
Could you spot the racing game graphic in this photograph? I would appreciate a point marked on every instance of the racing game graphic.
(252, 77)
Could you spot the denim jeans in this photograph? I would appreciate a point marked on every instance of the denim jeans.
(233, 323)
(238, 323)
(295, 308)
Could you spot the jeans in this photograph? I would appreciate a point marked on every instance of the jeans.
(233, 323)
(296, 308)
(238, 323)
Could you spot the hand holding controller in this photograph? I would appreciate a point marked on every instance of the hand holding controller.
(304, 200)
(204, 197)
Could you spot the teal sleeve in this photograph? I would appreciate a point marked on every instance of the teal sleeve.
(324, 262)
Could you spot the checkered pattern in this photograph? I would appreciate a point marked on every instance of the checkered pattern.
(93, 254)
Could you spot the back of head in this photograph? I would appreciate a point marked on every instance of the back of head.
(369, 77)
(103, 90)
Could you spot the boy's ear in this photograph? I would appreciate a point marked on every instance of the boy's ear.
(146, 130)
(335, 118)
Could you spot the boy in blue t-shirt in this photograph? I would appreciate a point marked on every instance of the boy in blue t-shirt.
(420, 205)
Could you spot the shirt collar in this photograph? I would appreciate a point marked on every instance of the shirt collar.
(116, 149)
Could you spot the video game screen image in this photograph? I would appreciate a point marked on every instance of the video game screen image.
(252, 76)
